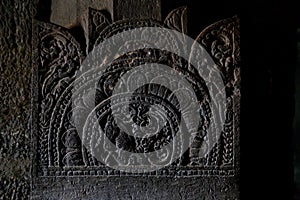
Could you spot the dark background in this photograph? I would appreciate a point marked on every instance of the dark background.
(269, 136)
(270, 141)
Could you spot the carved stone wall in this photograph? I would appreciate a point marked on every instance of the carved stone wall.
(267, 88)
(59, 155)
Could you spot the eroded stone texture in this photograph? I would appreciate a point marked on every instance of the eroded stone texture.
(69, 13)
(142, 9)
(139, 188)
(15, 84)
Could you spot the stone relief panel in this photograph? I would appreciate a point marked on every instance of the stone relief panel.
(58, 56)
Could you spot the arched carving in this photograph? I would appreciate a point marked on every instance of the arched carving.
(177, 20)
(58, 57)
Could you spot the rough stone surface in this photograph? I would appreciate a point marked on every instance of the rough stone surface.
(138, 188)
(15, 79)
(69, 13)
(142, 9)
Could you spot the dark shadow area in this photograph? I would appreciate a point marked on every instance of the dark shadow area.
(44, 10)
(201, 15)
(169, 5)
(268, 49)
(268, 45)
(297, 121)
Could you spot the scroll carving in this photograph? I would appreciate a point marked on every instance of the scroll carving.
(94, 22)
(58, 57)
(222, 41)
(177, 20)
